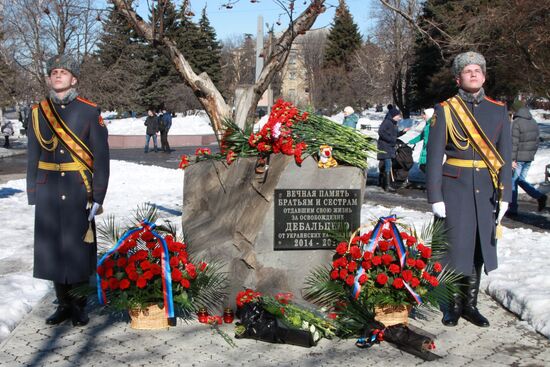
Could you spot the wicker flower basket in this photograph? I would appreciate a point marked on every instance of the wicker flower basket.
(391, 315)
(151, 318)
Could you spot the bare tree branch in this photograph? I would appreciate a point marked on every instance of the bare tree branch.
(202, 86)
(413, 22)
(276, 60)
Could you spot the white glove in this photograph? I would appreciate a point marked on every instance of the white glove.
(439, 209)
(93, 211)
(502, 208)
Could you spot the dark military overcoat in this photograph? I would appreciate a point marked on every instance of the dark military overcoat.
(60, 253)
(468, 193)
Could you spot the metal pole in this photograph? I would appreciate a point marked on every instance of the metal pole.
(259, 47)
(269, 89)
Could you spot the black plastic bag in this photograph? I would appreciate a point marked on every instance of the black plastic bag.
(410, 341)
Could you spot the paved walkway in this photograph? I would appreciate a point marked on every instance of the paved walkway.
(110, 341)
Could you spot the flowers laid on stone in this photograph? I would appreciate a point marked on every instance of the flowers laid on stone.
(276, 136)
(291, 132)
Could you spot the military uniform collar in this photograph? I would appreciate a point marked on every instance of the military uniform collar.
(469, 97)
(69, 97)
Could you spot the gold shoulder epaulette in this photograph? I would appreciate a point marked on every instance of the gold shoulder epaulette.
(84, 100)
(495, 102)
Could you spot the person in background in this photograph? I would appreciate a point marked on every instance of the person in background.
(67, 178)
(525, 142)
(471, 190)
(165, 123)
(427, 117)
(6, 127)
(350, 117)
(387, 139)
(152, 123)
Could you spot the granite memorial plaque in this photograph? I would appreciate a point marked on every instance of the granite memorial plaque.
(305, 217)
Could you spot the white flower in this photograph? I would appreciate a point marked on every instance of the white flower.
(316, 336)
(305, 325)
(277, 130)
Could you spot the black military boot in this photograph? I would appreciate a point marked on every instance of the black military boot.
(79, 315)
(453, 310)
(387, 182)
(469, 310)
(63, 311)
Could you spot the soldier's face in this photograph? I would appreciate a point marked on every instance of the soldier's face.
(471, 78)
(61, 80)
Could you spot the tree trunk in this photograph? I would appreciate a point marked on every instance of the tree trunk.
(202, 86)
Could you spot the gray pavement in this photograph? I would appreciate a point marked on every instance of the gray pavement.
(110, 341)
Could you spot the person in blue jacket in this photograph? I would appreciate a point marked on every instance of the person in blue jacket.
(350, 117)
(165, 123)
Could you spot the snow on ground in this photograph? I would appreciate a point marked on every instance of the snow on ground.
(197, 124)
(129, 186)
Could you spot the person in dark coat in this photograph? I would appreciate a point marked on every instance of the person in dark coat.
(387, 139)
(6, 127)
(165, 123)
(525, 142)
(152, 123)
(67, 177)
(465, 190)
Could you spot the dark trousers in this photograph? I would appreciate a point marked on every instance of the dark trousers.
(164, 141)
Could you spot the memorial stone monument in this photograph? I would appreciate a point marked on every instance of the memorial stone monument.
(271, 231)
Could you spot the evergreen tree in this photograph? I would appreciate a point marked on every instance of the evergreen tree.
(117, 66)
(188, 38)
(432, 79)
(209, 52)
(343, 40)
(7, 80)
(500, 30)
(117, 35)
(160, 73)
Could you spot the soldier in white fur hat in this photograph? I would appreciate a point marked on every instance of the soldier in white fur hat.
(471, 189)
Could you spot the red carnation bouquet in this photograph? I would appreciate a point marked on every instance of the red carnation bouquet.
(148, 265)
(276, 136)
(386, 267)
